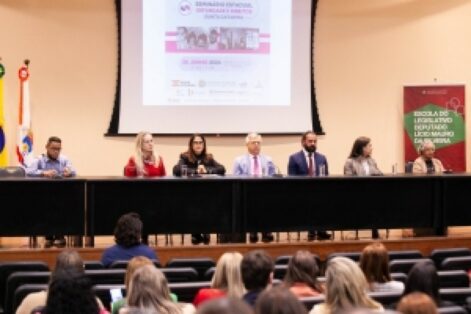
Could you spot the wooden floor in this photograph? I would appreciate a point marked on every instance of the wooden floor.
(13, 250)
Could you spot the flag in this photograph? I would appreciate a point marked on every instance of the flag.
(24, 146)
(3, 147)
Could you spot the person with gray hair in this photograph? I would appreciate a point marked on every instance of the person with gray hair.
(254, 164)
(426, 163)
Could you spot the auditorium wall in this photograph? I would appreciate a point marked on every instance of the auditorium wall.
(366, 50)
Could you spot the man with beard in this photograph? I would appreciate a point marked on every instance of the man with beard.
(308, 162)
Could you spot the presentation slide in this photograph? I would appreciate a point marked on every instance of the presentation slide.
(215, 66)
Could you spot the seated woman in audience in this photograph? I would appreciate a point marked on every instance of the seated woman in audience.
(423, 277)
(345, 289)
(70, 292)
(227, 280)
(417, 303)
(133, 265)
(196, 160)
(225, 306)
(127, 235)
(149, 292)
(279, 300)
(374, 261)
(145, 162)
(67, 260)
(426, 163)
(360, 163)
(301, 275)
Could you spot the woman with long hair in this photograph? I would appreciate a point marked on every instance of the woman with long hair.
(145, 162)
(197, 161)
(374, 262)
(301, 275)
(346, 288)
(227, 279)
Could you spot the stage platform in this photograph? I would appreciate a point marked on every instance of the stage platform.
(284, 247)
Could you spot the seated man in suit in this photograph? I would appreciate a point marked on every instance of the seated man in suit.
(50, 165)
(308, 162)
(254, 164)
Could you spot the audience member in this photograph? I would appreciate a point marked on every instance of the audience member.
(70, 291)
(374, 261)
(308, 162)
(133, 265)
(225, 306)
(346, 288)
(196, 161)
(145, 162)
(149, 291)
(279, 300)
(227, 280)
(301, 275)
(257, 274)
(254, 164)
(423, 277)
(417, 303)
(127, 235)
(66, 260)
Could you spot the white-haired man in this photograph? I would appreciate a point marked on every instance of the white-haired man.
(254, 164)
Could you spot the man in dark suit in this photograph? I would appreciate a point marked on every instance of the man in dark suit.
(308, 162)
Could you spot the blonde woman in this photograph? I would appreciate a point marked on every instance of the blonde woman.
(146, 162)
(149, 292)
(346, 288)
(227, 280)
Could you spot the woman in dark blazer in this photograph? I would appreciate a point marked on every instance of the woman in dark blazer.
(198, 161)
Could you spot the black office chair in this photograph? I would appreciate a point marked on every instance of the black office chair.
(404, 265)
(208, 275)
(20, 278)
(456, 295)
(456, 263)
(399, 277)
(439, 255)
(12, 172)
(452, 310)
(186, 291)
(406, 254)
(8, 268)
(201, 265)
(453, 279)
(280, 271)
(387, 299)
(180, 274)
(23, 291)
(89, 265)
(106, 276)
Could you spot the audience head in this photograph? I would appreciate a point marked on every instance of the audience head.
(149, 290)
(309, 141)
(374, 261)
(362, 147)
(133, 265)
(346, 286)
(257, 270)
(70, 292)
(69, 260)
(417, 303)
(128, 230)
(302, 267)
(227, 276)
(427, 149)
(197, 146)
(254, 143)
(225, 306)
(279, 300)
(53, 147)
(423, 277)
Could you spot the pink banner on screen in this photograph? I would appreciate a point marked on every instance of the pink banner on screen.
(171, 47)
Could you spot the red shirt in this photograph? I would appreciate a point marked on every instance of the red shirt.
(206, 294)
(151, 170)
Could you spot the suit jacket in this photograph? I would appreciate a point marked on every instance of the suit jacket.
(243, 164)
(421, 167)
(354, 167)
(297, 164)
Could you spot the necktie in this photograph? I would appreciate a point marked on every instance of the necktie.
(256, 166)
(311, 168)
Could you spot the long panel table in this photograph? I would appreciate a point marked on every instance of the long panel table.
(233, 204)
